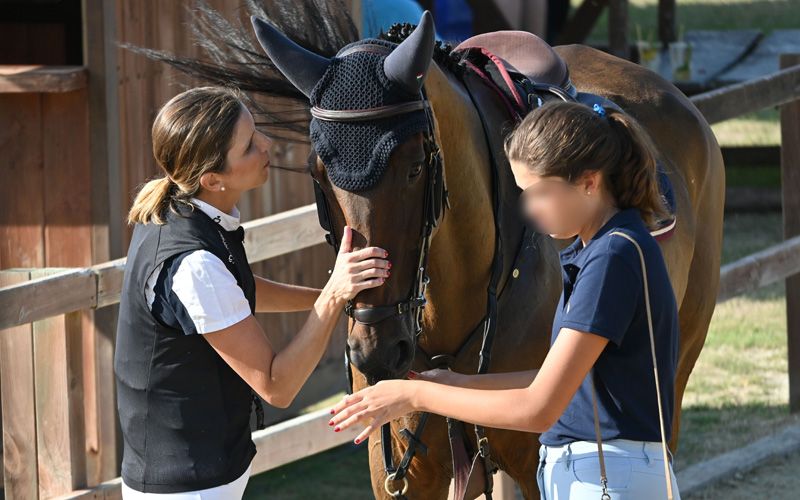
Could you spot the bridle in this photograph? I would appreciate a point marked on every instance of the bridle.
(435, 202)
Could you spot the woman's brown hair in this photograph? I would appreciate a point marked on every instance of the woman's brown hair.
(566, 139)
(192, 134)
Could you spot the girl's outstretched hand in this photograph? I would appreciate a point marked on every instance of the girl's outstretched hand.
(373, 406)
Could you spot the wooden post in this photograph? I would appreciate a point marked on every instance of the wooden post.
(618, 28)
(60, 438)
(790, 187)
(99, 55)
(666, 21)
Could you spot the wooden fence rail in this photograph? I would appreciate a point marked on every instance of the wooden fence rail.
(100, 285)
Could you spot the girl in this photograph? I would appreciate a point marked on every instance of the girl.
(585, 172)
(189, 353)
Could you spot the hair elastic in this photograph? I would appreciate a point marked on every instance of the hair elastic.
(599, 109)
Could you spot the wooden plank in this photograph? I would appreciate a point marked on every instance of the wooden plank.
(790, 186)
(288, 231)
(21, 205)
(760, 269)
(765, 58)
(42, 79)
(59, 403)
(696, 477)
(19, 407)
(742, 98)
(98, 286)
(297, 438)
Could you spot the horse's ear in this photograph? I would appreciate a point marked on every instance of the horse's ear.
(301, 67)
(408, 63)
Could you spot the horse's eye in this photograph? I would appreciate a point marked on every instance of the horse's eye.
(416, 169)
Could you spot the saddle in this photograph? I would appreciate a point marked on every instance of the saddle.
(518, 65)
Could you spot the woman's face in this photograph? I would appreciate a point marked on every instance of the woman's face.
(248, 158)
(553, 205)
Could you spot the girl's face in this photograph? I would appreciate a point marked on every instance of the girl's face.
(248, 158)
(553, 205)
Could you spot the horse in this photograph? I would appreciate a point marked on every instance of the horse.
(431, 307)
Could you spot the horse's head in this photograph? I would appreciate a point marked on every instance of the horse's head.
(376, 168)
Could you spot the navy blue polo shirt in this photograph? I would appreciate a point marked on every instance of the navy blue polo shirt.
(604, 294)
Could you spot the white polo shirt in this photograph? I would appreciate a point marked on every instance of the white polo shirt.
(205, 287)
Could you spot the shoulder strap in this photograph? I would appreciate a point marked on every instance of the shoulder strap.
(667, 476)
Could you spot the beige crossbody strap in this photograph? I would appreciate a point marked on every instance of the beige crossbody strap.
(667, 476)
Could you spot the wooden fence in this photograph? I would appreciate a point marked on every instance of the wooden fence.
(41, 399)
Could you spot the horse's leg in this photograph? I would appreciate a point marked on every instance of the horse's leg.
(429, 474)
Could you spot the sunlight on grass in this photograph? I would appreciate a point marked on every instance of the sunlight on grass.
(738, 391)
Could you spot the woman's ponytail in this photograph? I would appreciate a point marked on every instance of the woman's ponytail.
(151, 202)
(192, 134)
(633, 180)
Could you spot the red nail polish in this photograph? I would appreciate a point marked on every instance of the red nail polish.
(390, 265)
(333, 411)
(412, 374)
(330, 423)
(357, 441)
(336, 429)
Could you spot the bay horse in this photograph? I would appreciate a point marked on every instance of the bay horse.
(390, 214)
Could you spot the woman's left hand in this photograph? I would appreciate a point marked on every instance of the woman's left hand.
(374, 406)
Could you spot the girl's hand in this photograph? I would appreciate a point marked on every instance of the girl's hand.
(356, 271)
(373, 406)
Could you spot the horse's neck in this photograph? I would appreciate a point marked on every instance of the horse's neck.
(463, 247)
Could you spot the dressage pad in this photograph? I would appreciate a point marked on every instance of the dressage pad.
(356, 154)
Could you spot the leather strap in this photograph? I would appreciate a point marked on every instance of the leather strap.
(667, 475)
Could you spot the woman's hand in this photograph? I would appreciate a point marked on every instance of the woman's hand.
(373, 406)
(356, 271)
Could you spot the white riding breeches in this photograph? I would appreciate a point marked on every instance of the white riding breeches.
(230, 491)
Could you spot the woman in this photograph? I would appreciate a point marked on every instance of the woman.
(189, 353)
(588, 173)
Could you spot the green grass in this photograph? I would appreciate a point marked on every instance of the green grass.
(768, 176)
(738, 391)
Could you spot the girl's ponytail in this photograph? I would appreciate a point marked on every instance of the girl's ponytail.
(566, 139)
(633, 180)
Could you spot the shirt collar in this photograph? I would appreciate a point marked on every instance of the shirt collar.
(625, 217)
(229, 222)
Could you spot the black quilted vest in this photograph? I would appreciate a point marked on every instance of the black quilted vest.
(184, 413)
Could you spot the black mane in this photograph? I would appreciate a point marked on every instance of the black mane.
(442, 51)
(232, 57)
